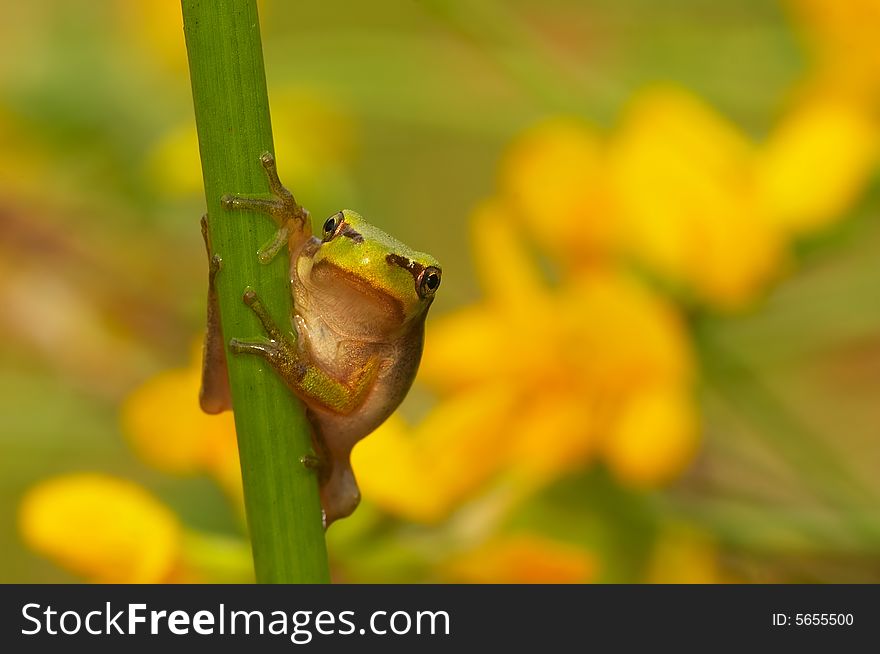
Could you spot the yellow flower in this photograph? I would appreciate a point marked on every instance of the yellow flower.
(682, 192)
(655, 436)
(168, 430)
(523, 559)
(553, 175)
(683, 181)
(105, 529)
(538, 379)
(815, 164)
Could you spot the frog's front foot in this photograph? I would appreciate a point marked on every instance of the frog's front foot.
(288, 215)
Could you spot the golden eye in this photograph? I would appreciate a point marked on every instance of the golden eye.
(429, 281)
(332, 224)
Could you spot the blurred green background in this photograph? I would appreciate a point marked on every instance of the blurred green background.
(404, 111)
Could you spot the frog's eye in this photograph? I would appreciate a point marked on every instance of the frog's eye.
(429, 281)
(331, 225)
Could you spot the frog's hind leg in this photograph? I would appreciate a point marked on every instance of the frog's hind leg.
(291, 218)
(214, 396)
(340, 495)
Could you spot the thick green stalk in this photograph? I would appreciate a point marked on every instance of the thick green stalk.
(232, 116)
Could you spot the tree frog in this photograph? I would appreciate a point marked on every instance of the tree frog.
(360, 298)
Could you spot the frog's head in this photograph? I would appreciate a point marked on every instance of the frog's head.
(369, 277)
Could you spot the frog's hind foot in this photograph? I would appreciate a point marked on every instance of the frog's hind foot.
(339, 494)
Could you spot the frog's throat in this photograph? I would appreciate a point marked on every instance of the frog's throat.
(391, 306)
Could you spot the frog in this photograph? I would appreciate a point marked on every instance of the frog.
(355, 336)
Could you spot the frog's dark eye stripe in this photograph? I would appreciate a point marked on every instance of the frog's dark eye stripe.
(350, 232)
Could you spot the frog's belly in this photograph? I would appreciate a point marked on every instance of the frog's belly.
(341, 432)
(398, 365)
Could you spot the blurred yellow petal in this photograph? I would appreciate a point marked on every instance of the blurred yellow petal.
(669, 123)
(388, 472)
(620, 335)
(553, 174)
(509, 334)
(157, 27)
(476, 335)
(684, 183)
(507, 272)
(523, 559)
(169, 431)
(816, 163)
(422, 474)
(655, 438)
(553, 434)
(102, 528)
(736, 257)
(464, 438)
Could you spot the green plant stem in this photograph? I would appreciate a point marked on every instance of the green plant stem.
(232, 116)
